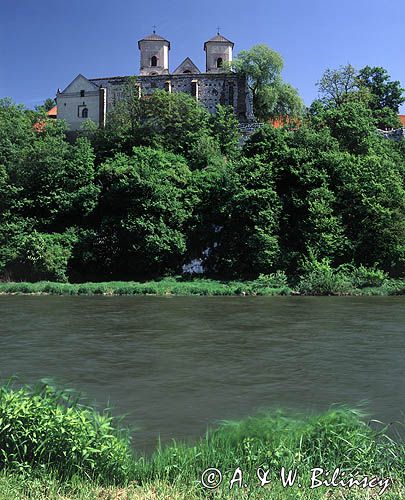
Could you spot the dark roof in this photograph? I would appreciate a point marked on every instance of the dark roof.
(218, 38)
(152, 38)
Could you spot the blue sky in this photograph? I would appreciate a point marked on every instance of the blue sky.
(44, 44)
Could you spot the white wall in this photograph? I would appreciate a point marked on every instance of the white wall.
(70, 103)
(157, 48)
(213, 52)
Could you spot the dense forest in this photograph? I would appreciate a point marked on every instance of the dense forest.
(165, 183)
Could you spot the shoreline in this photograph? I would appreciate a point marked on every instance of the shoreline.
(172, 287)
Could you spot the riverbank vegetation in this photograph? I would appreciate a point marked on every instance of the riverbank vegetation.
(53, 446)
(322, 281)
(165, 185)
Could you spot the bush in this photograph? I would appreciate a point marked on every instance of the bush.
(320, 278)
(44, 428)
(41, 256)
(273, 280)
(368, 277)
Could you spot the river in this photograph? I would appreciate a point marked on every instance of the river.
(175, 365)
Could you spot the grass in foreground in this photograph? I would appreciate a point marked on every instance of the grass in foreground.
(54, 447)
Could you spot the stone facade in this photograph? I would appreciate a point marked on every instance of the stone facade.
(93, 98)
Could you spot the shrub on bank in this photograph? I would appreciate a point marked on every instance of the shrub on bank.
(320, 278)
(43, 428)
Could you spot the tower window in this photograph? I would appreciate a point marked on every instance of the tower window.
(186, 71)
(85, 113)
(219, 62)
(82, 93)
(194, 89)
(153, 61)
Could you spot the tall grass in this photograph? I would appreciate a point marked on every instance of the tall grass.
(338, 438)
(321, 281)
(50, 442)
(167, 286)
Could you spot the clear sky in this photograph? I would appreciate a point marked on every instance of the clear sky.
(44, 44)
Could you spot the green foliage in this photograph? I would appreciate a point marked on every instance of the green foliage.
(337, 86)
(165, 183)
(47, 429)
(174, 122)
(339, 438)
(52, 443)
(145, 202)
(246, 242)
(273, 280)
(272, 98)
(225, 128)
(320, 278)
(385, 93)
(16, 133)
(39, 256)
(48, 104)
(370, 86)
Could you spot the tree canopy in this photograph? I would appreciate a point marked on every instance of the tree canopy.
(165, 182)
(370, 85)
(272, 97)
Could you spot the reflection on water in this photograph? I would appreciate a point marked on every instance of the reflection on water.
(175, 365)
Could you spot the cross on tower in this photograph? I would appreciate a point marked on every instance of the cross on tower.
(154, 28)
(218, 28)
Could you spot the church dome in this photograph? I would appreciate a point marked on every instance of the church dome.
(153, 37)
(219, 38)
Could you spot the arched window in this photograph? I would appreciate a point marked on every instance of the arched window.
(186, 71)
(85, 113)
(153, 61)
(219, 62)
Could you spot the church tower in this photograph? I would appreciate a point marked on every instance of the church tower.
(154, 55)
(218, 50)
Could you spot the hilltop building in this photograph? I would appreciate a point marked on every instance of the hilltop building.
(92, 98)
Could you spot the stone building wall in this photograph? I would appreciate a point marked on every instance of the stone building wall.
(209, 89)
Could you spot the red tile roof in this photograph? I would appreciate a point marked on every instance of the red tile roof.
(402, 119)
(39, 126)
(52, 113)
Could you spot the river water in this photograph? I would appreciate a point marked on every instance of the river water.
(175, 365)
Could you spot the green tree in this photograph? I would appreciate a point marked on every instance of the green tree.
(48, 104)
(16, 133)
(56, 180)
(385, 92)
(174, 122)
(39, 256)
(386, 96)
(143, 211)
(353, 126)
(337, 86)
(371, 86)
(271, 96)
(245, 238)
(225, 128)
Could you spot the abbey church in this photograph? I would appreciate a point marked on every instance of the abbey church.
(92, 98)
